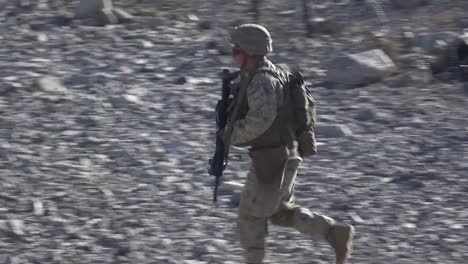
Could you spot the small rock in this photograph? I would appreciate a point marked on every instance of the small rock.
(132, 98)
(183, 187)
(38, 26)
(109, 241)
(22, 3)
(38, 207)
(107, 193)
(409, 3)
(320, 25)
(16, 227)
(205, 25)
(51, 84)
(356, 218)
(42, 38)
(77, 80)
(122, 250)
(12, 260)
(408, 225)
(332, 131)
(365, 114)
(147, 44)
(61, 20)
(181, 80)
(91, 8)
(42, 5)
(362, 68)
(122, 15)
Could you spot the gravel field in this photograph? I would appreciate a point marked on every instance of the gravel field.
(106, 132)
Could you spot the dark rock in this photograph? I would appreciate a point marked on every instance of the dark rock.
(320, 25)
(122, 250)
(205, 25)
(38, 26)
(91, 8)
(409, 3)
(181, 80)
(365, 115)
(62, 20)
(110, 241)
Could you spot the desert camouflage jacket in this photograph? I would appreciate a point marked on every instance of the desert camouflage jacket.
(264, 98)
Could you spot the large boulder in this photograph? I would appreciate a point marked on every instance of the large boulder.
(91, 8)
(361, 68)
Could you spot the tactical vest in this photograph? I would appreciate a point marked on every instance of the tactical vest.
(280, 132)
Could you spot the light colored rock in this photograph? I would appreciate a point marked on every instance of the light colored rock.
(106, 17)
(90, 8)
(51, 84)
(16, 226)
(38, 207)
(122, 15)
(362, 68)
(332, 131)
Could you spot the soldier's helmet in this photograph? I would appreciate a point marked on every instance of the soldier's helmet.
(252, 38)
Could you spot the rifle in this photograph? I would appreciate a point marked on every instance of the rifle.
(219, 161)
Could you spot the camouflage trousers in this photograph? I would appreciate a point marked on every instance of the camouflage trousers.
(262, 203)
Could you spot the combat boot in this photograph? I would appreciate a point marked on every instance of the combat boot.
(340, 238)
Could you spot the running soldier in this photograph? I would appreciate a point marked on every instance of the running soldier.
(261, 126)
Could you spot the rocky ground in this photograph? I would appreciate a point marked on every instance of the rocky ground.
(106, 132)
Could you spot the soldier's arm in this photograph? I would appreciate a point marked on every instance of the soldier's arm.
(261, 99)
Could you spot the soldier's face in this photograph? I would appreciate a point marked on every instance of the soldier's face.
(238, 55)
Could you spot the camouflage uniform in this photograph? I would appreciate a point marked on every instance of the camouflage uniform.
(268, 191)
(261, 201)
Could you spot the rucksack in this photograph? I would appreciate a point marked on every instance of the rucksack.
(301, 107)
